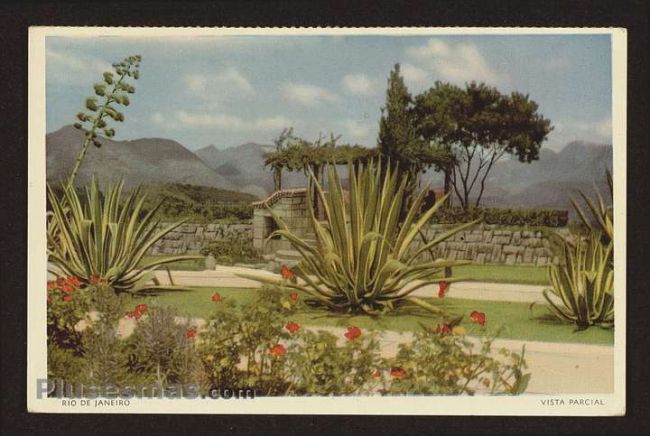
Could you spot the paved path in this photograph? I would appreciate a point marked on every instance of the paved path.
(225, 276)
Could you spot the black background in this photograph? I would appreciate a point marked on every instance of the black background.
(15, 18)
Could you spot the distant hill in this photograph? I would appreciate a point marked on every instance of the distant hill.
(199, 203)
(147, 160)
(243, 165)
(549, 181)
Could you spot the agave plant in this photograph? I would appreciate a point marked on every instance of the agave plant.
(583, 290)
(104, 235)
(365, 259)
(602, 217)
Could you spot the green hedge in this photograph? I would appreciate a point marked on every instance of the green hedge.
(507, 217)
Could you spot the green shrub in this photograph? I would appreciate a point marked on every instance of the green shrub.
(583, 283)
(438, 363)
(163, 346)
(363, 260)
(506, 217)
(232, 248)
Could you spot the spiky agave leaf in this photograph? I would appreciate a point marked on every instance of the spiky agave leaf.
(105, 236)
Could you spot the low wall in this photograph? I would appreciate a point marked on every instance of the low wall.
(190, 238)
(491, 243)
(485, 243)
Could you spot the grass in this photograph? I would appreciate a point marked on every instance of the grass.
(519, 274)
(181, 265)
(515, 318)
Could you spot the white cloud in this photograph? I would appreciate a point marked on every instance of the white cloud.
(599, 131)
(306, 95)
(357, 130)
(158, 118)
(361, 84)
(229, 82)
(459, 62)
(230, 122)
(415, 76)
(67, 67)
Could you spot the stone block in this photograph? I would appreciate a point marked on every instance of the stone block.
(480, 258)
(529, 255)
(511, 259)
(487, 236)
(516, 238)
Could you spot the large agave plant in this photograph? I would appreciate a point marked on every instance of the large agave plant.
(602, 220)
(365, 259)
(103, 235)
(583, 286)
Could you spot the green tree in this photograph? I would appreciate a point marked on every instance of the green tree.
(111, 92)
(478, 125)
(399, 139)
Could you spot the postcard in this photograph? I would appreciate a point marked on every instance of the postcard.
(406, 221)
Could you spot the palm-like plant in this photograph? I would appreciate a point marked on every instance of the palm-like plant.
(103, 235)
(365, 259)
(583, 286)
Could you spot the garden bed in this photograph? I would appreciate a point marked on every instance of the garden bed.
(517, 320)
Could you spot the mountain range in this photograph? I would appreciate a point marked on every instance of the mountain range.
(546, 183)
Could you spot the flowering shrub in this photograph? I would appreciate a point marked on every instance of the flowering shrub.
(67, 304)
(438, 362)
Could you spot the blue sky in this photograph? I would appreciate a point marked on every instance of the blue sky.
(230, 90)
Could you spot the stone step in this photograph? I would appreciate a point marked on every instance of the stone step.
(287, 255)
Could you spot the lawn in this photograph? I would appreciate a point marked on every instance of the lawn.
(528, 275)
(515, 318)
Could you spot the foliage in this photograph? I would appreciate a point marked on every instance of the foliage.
(67, 304)
(507, 217)
(447, 363)
(362, 261)
(478, 125)
(163, 345)
(198, 204)
(113, 91)
(583, 284)
(399, 140)
(232, 248)
(101, 236)
(259, 346)
(602, 218)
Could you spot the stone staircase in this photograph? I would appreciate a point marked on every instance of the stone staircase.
(290, 257)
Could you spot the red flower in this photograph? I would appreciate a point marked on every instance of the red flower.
(51, 285)
(376, 373)
(278, 350)
(292, 327)
(134, 314)
(73, 281)
(442, 288)
(60, 281)
(191, 333)
(137, 311)
(352, 333)
(286, 273)
(478, 317)
(67, 298)
(293, 296)
(397, 373)
(216, 297)
(67, 289)
(141, 308)
(445, 329)
(95, 280)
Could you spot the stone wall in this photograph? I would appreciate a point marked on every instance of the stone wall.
(291, 207)
(488, 243)
(190, 238)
